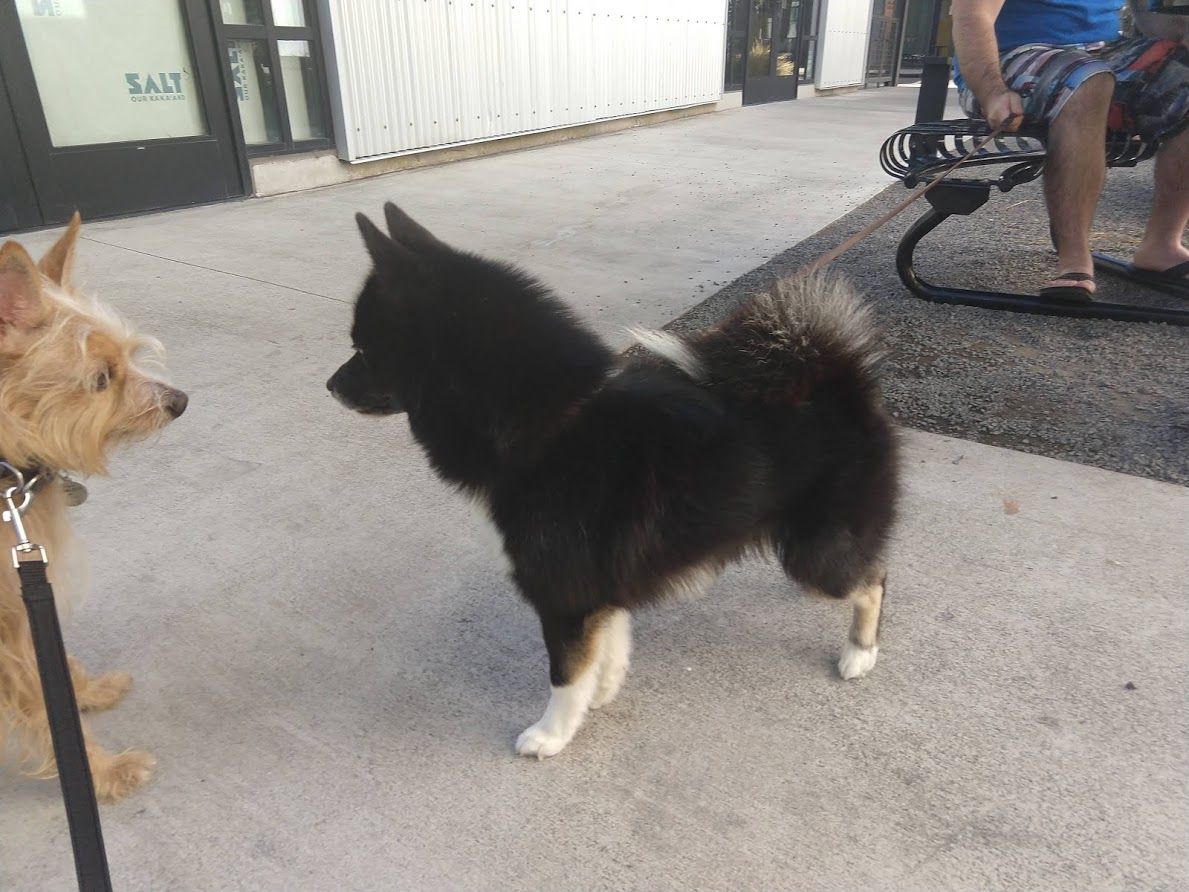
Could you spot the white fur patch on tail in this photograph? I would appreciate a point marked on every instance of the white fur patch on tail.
(823, 307)
(670, 347)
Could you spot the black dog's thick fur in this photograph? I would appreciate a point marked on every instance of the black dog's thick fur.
(612, 480)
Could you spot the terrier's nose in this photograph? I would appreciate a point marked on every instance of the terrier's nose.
(176, 402)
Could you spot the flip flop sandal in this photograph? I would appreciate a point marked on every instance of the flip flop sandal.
(1069, 294)
(1175, 279)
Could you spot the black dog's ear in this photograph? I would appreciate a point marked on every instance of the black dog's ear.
(407, 231)
(384, 251)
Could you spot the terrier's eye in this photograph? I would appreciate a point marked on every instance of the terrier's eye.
(102, 380)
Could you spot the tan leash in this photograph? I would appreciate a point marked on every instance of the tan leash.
(836, 252)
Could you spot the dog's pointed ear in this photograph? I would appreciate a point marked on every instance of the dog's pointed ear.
(58, 262)
(20, 288)
(407, 231)
(385, 253)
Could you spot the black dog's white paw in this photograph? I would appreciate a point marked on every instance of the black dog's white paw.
(541, 742)
(857, 661)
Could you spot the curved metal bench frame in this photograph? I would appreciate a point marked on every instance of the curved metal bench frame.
(919, 153)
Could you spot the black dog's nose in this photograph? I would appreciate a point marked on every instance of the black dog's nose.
(176, 402)
(330, 383)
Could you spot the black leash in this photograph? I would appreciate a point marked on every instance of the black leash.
(66, 730)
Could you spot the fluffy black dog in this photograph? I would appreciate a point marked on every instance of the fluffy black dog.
(614, 482)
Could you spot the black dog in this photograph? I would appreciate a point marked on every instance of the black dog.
(614, 482)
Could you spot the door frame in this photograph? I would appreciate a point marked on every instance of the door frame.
(139, 166)
(18, 199)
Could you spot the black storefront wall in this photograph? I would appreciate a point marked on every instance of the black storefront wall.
(42, 183)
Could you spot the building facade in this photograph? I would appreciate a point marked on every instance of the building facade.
(123, 106)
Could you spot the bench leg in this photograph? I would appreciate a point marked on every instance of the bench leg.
(1016, 303)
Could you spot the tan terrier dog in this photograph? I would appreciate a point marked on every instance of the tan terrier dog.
(70, 391)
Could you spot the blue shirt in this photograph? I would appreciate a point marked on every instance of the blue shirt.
(1056, 22)
(1053, 23)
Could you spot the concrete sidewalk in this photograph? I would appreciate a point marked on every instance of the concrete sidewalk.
(331, 668)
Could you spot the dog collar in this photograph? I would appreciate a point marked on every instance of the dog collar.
(29, 479)
(36, 479)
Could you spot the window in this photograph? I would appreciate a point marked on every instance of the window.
(807, 21)
(131, 73)
(276, 74)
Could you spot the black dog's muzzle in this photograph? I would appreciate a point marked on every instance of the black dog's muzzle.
(355, 387)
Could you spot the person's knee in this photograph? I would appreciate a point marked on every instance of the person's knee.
(1089, 104)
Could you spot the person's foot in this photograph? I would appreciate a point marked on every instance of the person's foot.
(1071, 287)
(1159, 260)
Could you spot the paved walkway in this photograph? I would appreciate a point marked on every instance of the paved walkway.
(331, 669)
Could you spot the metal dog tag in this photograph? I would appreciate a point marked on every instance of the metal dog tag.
(76, 493)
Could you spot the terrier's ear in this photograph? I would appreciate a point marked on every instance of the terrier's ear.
(387, 255)
(407, 231)
(20, 288)
(58, 262)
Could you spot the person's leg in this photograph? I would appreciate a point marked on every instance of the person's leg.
(1162, 247)
(1069, 91)
(1075, 174)
(1152, 99)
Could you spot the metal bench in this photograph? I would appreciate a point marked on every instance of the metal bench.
(919, 153)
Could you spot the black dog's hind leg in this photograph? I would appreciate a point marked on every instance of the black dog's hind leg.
(862, 646)
(837, 567)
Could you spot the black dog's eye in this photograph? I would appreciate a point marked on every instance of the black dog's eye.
(362, 357)
(102, 380)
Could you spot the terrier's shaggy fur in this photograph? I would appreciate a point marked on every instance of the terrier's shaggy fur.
(72, 387)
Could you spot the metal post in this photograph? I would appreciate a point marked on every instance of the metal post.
(935, 85)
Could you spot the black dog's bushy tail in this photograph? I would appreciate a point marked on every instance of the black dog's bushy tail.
(783, 344)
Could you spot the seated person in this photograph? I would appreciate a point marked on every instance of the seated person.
(1062, 63)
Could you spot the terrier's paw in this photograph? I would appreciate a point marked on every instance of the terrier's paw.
(104, 692)
(117, 776)
(857, 661)
(540, 742)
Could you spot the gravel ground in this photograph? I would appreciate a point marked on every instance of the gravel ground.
(1109, 394)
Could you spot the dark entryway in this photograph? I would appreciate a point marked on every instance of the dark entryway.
(110, 109)
(903, 34)
(771, 47)
(927, 32)
(883, 42)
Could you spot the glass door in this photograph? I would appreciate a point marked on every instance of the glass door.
(771, 70)
(118, 105)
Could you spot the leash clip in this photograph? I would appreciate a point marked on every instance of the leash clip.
(22, 489)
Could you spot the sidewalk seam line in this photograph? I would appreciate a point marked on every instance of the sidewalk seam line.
(212, 269)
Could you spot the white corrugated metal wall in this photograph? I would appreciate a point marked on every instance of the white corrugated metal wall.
(416, 74)
(844, 29)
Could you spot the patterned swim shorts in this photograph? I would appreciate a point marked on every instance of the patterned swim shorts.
(1151, 82)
